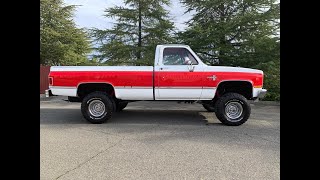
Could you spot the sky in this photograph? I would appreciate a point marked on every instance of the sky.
(90, 13)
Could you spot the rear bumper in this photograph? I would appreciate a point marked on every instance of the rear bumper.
(48, 93)
(262, 93)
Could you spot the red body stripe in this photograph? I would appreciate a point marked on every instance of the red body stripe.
(255, 78)
(178, 79)
(115, 78)
(144, 78)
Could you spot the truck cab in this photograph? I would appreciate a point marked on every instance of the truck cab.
(178, 69)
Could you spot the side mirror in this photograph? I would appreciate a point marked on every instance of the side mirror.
(187, 60)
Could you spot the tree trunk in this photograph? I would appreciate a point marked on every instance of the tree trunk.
(222, 40)
(222, 44)
(139, 41)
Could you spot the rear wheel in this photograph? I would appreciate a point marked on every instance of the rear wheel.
(114, 104)
(232, 109)
(97, 107)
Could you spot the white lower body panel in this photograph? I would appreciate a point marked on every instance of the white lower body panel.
(63, 91)
(134, 93)
(121, 93)
(183, 93)
(208, 93)
(147, 93)
(178, 94)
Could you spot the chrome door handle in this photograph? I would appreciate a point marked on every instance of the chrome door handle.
(163, 68)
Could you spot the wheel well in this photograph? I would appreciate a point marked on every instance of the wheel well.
(241, 87)
(86, 88)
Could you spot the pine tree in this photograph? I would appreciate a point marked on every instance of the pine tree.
(61, 42)
(141, 25)
(233, 32)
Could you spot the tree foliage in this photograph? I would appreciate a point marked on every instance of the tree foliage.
(227, 31)
(140, 26)
(60, 41)
(237, 33)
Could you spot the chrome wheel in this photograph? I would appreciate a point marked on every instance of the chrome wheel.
(233, 111)
(96, 108)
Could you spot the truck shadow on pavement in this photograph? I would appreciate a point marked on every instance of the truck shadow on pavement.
(131, 116)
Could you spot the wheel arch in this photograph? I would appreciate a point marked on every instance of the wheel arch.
(243, 87)
(84, 88)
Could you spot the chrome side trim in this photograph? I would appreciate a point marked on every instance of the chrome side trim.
(209, 88)
(184, 87)
(179, 87)
(62, 87)
(141, 87)
(133, 87)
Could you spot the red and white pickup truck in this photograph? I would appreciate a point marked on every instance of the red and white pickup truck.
(178, 74)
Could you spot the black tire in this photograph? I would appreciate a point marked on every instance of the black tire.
(114, 104)
(74, 99)
(208, 107)
(234, 102)
(121, 106)
(97, 97)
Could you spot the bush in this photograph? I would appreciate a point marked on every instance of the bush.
(271, 71)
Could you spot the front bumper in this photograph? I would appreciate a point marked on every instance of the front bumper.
(262, 93)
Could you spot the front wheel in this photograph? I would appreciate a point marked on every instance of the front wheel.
(97, 107)
(232, 109)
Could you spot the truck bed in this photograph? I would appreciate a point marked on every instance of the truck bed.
(136, 81)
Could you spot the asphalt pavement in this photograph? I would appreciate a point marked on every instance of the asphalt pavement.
(157, 140)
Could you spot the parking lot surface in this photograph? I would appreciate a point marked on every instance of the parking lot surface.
(157, 140)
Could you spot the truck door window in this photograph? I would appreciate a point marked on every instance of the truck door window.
(177, 56)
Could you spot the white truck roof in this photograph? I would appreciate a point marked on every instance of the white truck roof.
(179, 45)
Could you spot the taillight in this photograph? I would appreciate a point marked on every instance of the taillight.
(50, 81)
